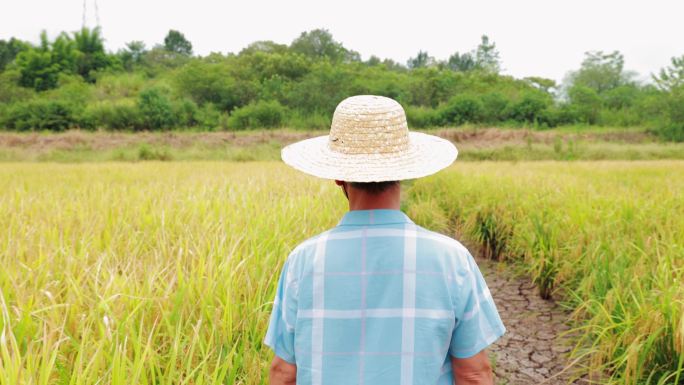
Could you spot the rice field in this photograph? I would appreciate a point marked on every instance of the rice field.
(163, 272)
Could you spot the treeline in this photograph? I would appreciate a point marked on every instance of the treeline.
(71, 81)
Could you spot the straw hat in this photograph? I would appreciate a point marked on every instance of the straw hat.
(369, 141)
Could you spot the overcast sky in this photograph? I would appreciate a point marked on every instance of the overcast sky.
(535, 37)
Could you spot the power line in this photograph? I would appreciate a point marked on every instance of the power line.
(85, 14)
(97, 14)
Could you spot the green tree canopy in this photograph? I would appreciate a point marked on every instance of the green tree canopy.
(9, 49)
(319, 43)
(266, 46)
(601, 71)
(91, 52)
(421, 60)
(40, 66)
(671, 77)
(487, 56)
(541, 83)
(177, 43)
(461, 62)
(132, 55)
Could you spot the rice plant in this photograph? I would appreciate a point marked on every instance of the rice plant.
(609, 235)
(164, 272)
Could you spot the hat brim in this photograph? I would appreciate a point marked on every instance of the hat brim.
(426, 154)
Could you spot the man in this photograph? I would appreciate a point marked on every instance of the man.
(377, 299)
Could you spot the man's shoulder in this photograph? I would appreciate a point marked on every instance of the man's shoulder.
(430, 241)
(308, 246)
(441, 240)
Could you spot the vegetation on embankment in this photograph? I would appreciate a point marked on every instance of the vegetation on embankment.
(609, 235)
(72, 81)
(563, 143)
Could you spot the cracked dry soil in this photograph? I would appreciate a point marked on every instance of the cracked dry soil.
(532, 351)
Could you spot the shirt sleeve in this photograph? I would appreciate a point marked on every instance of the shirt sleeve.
(281, 329)
(478, 323)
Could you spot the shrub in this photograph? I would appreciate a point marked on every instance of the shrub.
(494, 107)
(208, 116)
(670, 122)
(10, 91)
(624, 117)
(673, 132)
(213, 83)
(146, 152)
(185, 112)
(310, 121)
(462, 109)
(529, 108)
(422, 117)
(40, 115)
(671, 126)
(122, 115)
(267, 114)
(156, 109)
(586, 103)
(554, 116)
(119, 85)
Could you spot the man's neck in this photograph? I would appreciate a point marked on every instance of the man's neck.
(361, 200)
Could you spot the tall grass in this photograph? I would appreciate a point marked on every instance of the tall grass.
(163, 272)
(146, 274)
(609, 235)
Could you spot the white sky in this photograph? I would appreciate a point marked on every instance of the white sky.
(535, 37)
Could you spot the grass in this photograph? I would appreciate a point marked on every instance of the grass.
(163, 272)
(609, 235)
(475, 144)
(146, 273)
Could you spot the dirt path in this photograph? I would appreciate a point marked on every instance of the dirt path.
(532, 351)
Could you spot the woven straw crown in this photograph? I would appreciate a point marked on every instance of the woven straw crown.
(369, 124)
(369, 141)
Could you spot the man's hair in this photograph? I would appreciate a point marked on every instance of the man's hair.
(374, 187)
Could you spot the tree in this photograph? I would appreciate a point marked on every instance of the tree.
(586, 102)
(155, 109)
(39, 67)
(530, 106)
(393, 65)
(177, 43)
(540, 83)
(487, 56)
(671, 77)
(601, 72)
(133, 54)
(92, 55)
(9, 49)
(421, 60)
(319, 43)
(461, 62)
(373, 61)
(213, 83)
(266, 46)
(63, 51)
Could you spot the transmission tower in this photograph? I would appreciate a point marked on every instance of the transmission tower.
(85, 13)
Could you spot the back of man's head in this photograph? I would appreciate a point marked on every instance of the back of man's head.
(374, 187)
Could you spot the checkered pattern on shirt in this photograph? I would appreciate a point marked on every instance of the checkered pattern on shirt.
(379, 300)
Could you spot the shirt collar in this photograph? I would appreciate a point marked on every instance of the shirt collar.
(373, 217)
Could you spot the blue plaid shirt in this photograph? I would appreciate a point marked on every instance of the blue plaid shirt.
(379, 300)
